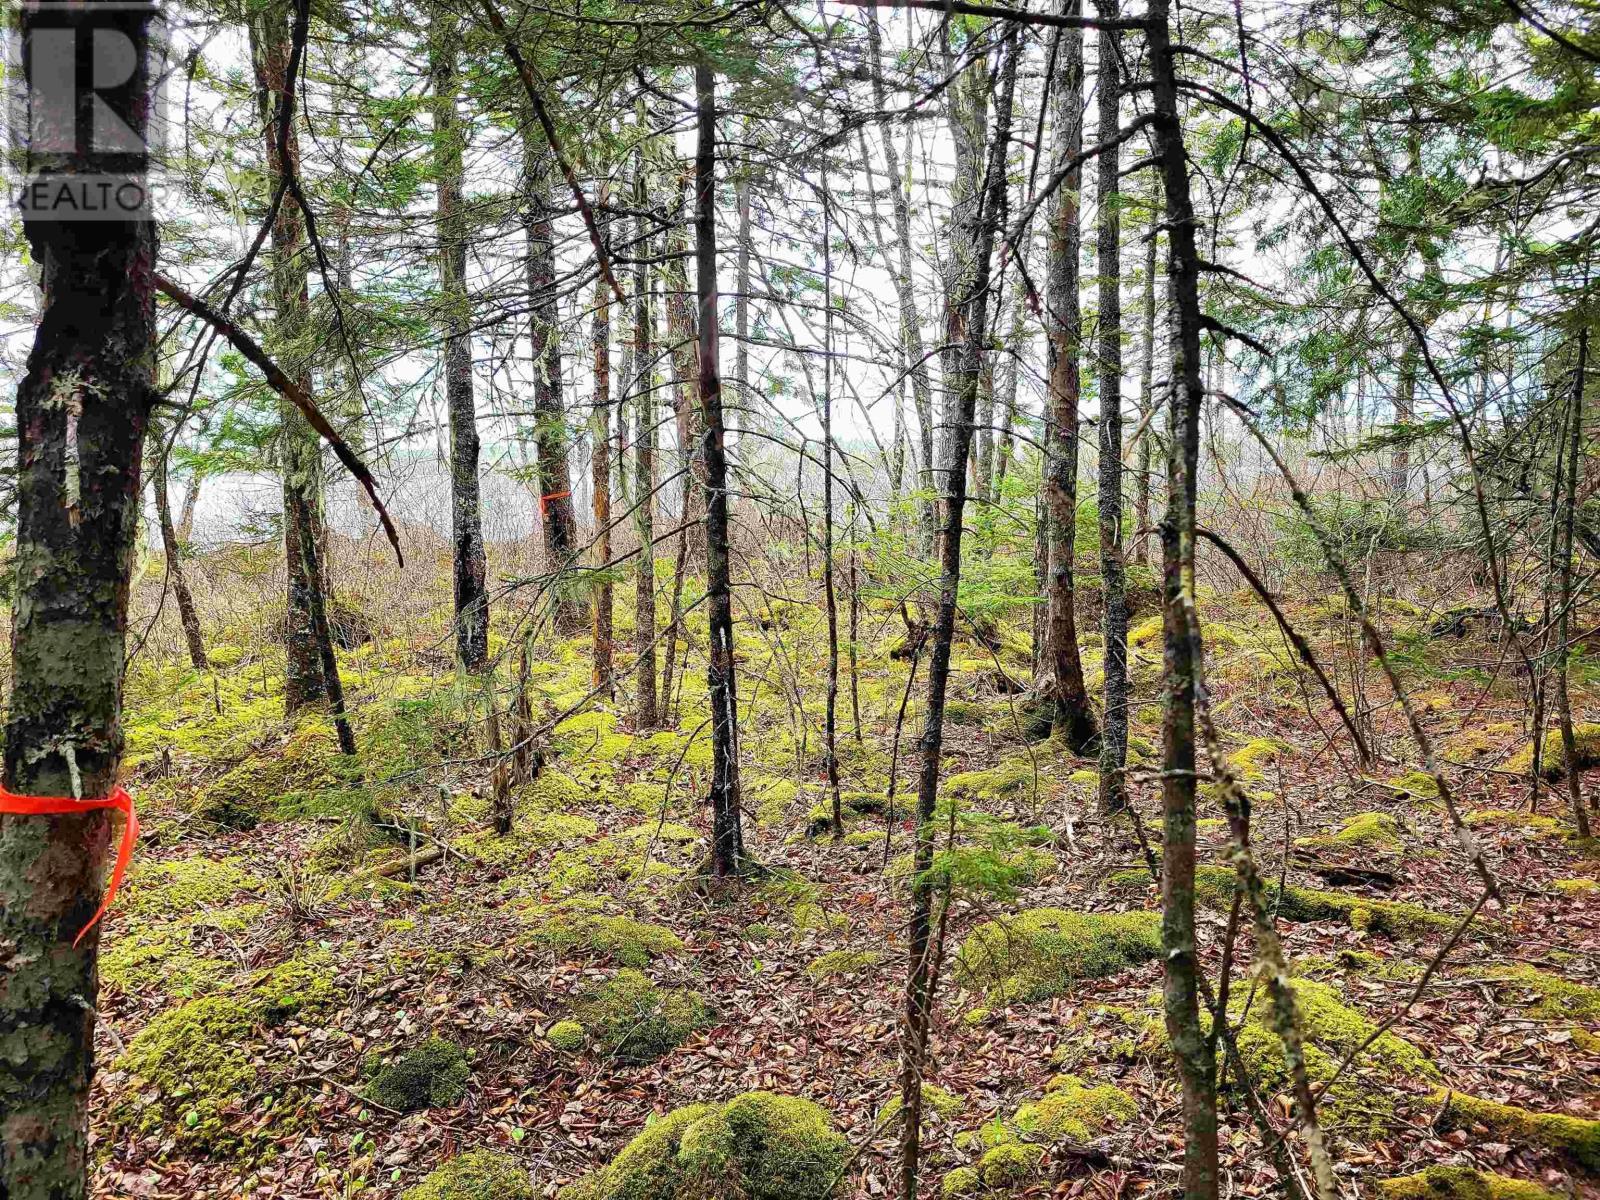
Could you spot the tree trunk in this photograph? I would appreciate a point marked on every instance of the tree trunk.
(644, 440)
(913, 355)
(466, 514)
(1072, 717)
(173, 550)
(830, 717)
(1141, 508)
(81, 413)
(600, 473)
(555, 480)
(727, 834)
(1569, 744)
(1114, 626)
(974, 238)
(1196, 1056)
(741, 306)
(305, 680)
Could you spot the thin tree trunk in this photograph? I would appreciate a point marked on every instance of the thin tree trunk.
(191, 498)
(603, 624)
(1072, 718)
(644, 440)
(305, 680)
(81, 413)
(830, 750)
(974, 237)
(1196, 1056)
(681, 334)
(727, 834)
(1114, 626)
(1569, 744)
(555, 479)
(914, 356)
(466, 511)
(741, 304)
(170, 546)
(1005, 447)
(1141, 508)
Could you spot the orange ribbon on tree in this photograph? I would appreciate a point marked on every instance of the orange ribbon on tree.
(544, 501)
(51, 806)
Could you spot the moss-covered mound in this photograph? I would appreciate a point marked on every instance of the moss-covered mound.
(935, 1099)
(1367, 832)
(636, 1021)
(1040, 952)
(197, 1068)
(1552, 755)
(1011, 1151)
(842, 962)
(1543, 995)
(1214, 888)
(758, 1146)
(567, 1036)
(432, 1075)
(622, 939)
(1574, 1137)
(1460, 1183)
(476, 1175)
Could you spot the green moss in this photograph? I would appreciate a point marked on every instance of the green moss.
(621, 939)
(532, 832)
(1574, 1137)
(304, 774)
(1073, 1111)
(198, 1071)
(810, 917)
(1040, 952)
(160, 959)
(1214, 888)
(1010, 780)
(476, 1175)
(960, 1183)
(1552, 755)
(841, 962)
(1501, 818)
(1009, 1164)
(637, 1022)
(1552, 998)
(1460, 1183)
(757, 1146)
(432, 1075)
(181, 886)
(1576, 887)
(934, 1099)
(1364, 831)
(567, 1036)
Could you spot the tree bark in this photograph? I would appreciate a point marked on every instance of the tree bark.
(1141, 508)
(727, 834)
(1196, 1056)
(600, 473)
(974, 236)
(1114, 623)
(305, 680)
(466, 511)
(551, 441)
(1569, 743)
(82, 409)
(830, 717)
(644, 439)
(1072, 718)
(173, 550)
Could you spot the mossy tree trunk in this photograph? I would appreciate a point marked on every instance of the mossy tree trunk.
(1147, 360)
(306, 680)
(727, 833)
(82, 409)
(1195, 1052)
(550, 419)
(1068, 696)
(974, 238)
(1114, 623)
(600, 473)
(466, 510)
(644, 500)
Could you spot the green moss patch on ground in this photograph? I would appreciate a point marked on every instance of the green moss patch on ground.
(1573, 1137)
(623, 940)
(1041, 952)
(431, 1075)
(1460, 1183)
(636, 1021)
(476, 1175)
(757, 1146)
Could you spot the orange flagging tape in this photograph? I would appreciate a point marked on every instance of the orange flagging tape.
(544, 501)
(50, 806)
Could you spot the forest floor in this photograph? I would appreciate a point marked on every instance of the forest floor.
(256, 973)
